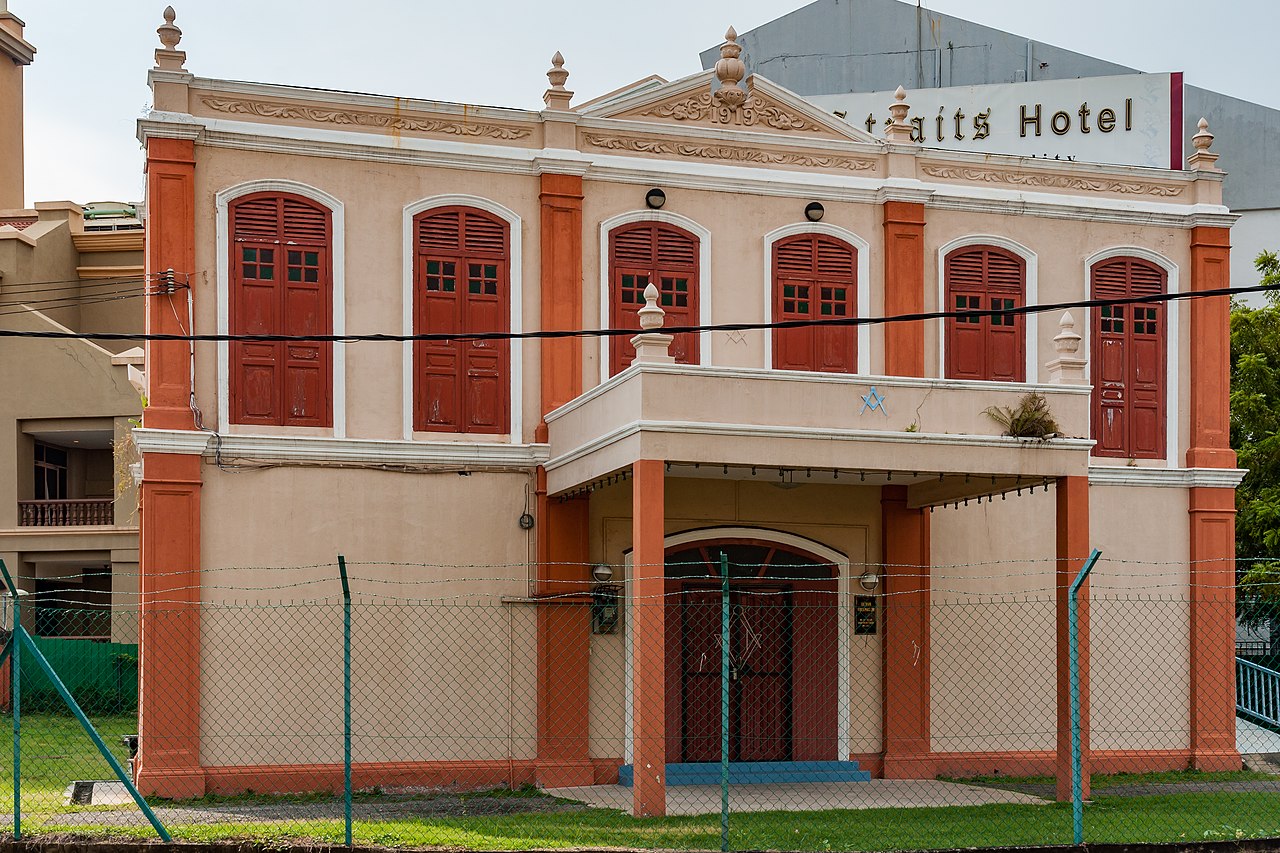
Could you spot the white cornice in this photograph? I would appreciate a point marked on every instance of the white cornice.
(728, 430)
(1173, 478)
(352, 450)
(829, 379)
(704, 133)
(162, 125)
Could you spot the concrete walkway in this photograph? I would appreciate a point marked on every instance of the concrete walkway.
(816, 796)
(1253, 739)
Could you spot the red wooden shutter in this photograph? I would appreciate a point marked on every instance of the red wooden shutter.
(1128, 361)
(666, 256)
(815, 278)
(461, 285)
(985, 348)
(281, 284)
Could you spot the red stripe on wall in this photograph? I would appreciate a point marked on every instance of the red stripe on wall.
(1175, 120)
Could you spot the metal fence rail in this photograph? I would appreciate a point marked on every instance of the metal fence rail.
(744, 706)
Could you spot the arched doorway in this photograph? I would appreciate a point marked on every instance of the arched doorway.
(785, 648)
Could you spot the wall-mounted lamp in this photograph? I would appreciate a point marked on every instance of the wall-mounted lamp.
(869, 581)
(601, 573)
(655, 198)
(813, 211)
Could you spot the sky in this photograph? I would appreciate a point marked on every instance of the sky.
(87, 85)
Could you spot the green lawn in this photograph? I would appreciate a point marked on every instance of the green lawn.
(56, 751)
(1184, 817)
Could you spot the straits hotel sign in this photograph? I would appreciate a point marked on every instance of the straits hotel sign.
(1127, 119)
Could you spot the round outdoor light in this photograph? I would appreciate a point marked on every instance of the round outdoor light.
(869, 581)
(602, 573)
(813, 211)
(655, 198)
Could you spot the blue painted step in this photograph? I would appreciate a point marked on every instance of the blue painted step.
(756, 773)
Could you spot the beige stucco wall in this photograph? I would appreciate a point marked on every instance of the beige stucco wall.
(451, 679)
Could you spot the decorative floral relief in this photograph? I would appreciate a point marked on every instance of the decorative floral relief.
(363, 119)
(1057, 181)
(755, 111)
(728, 152)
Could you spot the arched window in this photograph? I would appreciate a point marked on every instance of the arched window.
(1128, 360)
(461, 285)
(989, 348)
(815, 277)
(655, 253)
(281, 284)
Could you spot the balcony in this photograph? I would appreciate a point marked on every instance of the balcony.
(930, 433)
(83, 512)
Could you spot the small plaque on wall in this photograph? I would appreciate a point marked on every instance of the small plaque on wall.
(864, 614)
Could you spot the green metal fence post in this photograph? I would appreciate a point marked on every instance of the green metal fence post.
(15, 699)
(346, 696)
(724, 702)
(25, 640)
(1073, 646)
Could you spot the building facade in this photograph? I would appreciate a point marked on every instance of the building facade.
(304, 216)
(68, 506)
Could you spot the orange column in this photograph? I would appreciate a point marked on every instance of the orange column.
(1073, 548)
(561, 248)
(170, 245)
(564, 624)
(905, 723)
(564, 642)
(648, 639)
(903, 287)
(1213, 610)
(169, 636)
(1212, 511)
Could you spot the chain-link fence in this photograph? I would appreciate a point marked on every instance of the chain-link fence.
(776, 703)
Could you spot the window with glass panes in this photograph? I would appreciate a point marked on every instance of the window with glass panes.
(281, 284)
(51, 473)
(655, 253)
(991, 347)
(815, 277)
(461, 285)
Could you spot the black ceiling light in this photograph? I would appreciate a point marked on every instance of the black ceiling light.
(813, 211)
(655, 198)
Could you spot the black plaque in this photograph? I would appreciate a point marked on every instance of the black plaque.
(864, 614)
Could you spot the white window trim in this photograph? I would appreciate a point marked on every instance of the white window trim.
(1172, 339)
(515, 269)
(1031, 296)
(222, 267)
(704, 275)
(844, 627)
(863, 289)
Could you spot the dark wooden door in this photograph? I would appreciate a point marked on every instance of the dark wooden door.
(760, 690)
(1128, 361)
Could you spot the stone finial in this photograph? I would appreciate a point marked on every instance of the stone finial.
(1068, 368)
(652, 347)
(168, 57)
(1203, 159)
(730, 70)
(899, 129)
(169, 33)
(557, 97)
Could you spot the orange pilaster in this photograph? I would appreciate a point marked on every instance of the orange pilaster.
(1213, 629)
(170, 246)
(564, 642)
(903, 287)
(905, 723)
(561, 249)
(169, 635)
(648, 639)
(1210, 442)
(1073, 548)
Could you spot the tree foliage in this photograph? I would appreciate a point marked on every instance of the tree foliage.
(1255, 436)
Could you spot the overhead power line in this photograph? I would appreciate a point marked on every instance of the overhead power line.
(553, 334)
